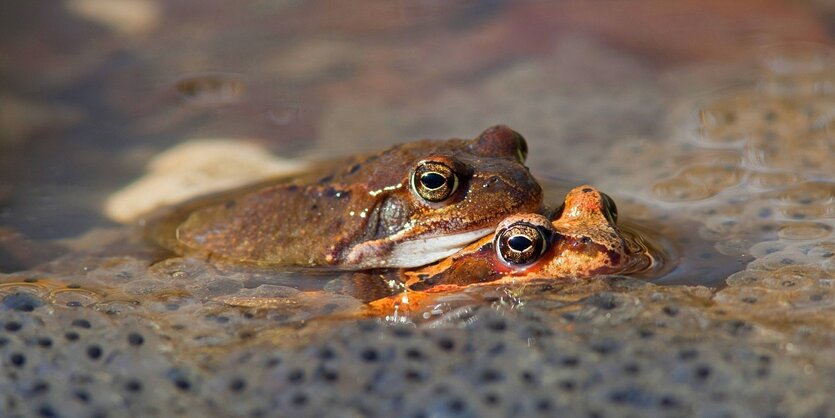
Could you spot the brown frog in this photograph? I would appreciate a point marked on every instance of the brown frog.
(581, 240)
(408, 206)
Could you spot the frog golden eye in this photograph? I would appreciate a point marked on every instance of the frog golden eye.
(610, 210)
(434, 181)
(520, 243)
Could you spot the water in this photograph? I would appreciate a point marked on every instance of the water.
(710, 124)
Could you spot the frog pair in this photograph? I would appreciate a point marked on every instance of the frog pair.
(412, 205)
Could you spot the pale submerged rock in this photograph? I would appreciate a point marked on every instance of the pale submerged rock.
(194, 168)
(129, 17)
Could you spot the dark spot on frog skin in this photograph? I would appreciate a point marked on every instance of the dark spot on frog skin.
(331, 192)
(587, 190)
(326, 179)
(354, 168)
(230, 204)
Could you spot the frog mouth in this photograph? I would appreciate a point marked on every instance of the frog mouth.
(416, 252)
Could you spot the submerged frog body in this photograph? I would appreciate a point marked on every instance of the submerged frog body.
(581, 241)
(408, 206)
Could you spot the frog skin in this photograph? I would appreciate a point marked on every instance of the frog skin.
(581, 240)
(407, 206)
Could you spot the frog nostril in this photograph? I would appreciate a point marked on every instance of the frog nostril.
(491, 181)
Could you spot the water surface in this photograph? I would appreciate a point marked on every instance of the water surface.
(712, 124)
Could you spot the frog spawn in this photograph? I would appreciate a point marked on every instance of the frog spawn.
(613, 347)
(770, 195)
(609, 347)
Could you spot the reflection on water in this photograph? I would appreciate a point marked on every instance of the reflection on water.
(715, 137)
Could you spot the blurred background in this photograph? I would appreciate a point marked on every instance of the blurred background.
(90, 90)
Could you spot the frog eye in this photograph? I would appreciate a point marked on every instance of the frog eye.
(520, 243)
(434, 181)
(610, 210)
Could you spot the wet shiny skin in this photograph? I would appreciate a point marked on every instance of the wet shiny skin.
(363, 212)
(581, 241)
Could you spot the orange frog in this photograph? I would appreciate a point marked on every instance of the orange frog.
(581, 240)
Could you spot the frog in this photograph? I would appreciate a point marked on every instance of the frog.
(579, 240)
(407, 206)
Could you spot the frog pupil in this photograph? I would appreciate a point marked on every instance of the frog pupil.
(432, 180)
(519, 243)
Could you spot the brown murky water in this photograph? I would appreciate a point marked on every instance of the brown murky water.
(712, 124)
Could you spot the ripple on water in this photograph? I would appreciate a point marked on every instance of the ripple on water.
(74, 297)
(35, 289)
